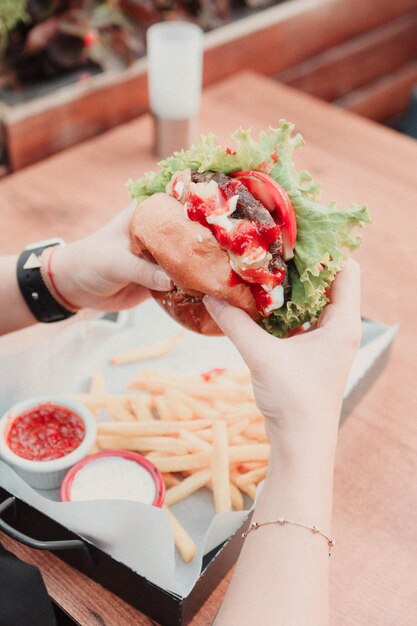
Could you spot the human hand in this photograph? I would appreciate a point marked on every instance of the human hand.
(299, 382)
(100, 272)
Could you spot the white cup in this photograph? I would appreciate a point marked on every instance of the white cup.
(46, 474)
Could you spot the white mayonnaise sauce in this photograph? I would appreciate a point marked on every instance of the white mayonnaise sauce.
(113, 478)
(277, 298)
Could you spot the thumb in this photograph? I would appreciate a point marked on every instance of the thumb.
(238, 326)
(133, 269)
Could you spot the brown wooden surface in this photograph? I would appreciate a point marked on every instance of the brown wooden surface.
(385, 97)
(356, 62)
(72, 114)
(268, 42)
(295, 31)
(373, 580)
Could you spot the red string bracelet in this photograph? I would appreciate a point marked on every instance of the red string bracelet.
(67, 303)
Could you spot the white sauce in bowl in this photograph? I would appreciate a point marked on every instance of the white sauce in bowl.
(113, 478)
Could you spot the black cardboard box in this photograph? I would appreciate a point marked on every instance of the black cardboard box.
(169, 609)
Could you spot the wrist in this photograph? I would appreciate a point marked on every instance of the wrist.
(299, 485)
(309, 441)
(57, 277)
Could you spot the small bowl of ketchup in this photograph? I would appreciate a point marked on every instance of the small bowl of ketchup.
(41, 438)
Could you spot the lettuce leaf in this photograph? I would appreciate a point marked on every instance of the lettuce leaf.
(325, 233)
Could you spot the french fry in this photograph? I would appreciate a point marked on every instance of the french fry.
(206, 434)
(235, 429)
(249, 412)
(200, 431)
(249, 489)
(201, 409)
(178, 404)
(162, 407)
(119, 411)
(170, 445)
(98, 400)
(239, 376)
(234, 474)
(220, 468)
(199, 460)
(224, 406)
(247, 466)
(150, 428)
(254, 476)
(140, 407)
(155, 350)
(227, 406)
(97, 383)
(209, 391)
(195, 442)
(235, 495)
(236, 498)
(238, 440)
(183, 542)
(256, 431)
(249, 452)
(198, 408)
(155, 455)
(157, 381)
(187, 486)
(197, 389)
(170, 480)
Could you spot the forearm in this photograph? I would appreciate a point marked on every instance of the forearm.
(281, 578)
(14, 313)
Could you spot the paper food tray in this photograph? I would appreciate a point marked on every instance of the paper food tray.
(137, 535)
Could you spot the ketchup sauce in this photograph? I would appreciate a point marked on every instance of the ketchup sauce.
(45, 432)
(217, 371)
(245, 237)
(249, 235)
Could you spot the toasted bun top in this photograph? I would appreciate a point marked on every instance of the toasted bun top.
(187, 251)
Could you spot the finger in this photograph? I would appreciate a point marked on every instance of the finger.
(126, 214)
(345, 292)
(119, 223)
(129, 297)
(239, 327)
(344, 308)
(132, 269)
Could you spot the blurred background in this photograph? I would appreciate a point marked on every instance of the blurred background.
(70, 69)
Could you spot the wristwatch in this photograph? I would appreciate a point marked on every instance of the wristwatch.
(37, 296)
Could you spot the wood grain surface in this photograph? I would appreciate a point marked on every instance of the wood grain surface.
(286, 35)
(357, 62)
(384, 98)
(373, 580)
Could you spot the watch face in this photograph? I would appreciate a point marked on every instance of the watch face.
(54, 241)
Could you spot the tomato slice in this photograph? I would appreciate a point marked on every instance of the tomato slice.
(274, 198)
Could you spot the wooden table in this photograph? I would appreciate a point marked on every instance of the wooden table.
(375, 507)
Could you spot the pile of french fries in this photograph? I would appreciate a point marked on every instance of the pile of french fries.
(199, 430)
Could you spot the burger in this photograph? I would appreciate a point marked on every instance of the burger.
(244, 226)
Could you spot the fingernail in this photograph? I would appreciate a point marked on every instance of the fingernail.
(213, 305)
(163, 281)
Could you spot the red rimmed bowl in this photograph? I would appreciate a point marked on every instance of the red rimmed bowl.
(114, 475)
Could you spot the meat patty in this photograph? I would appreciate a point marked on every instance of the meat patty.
(249, 208)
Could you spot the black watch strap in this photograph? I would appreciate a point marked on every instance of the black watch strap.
(38, 298)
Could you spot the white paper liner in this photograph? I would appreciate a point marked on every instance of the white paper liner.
(61, 361)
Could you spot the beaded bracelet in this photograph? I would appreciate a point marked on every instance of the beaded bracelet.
(282, 520)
